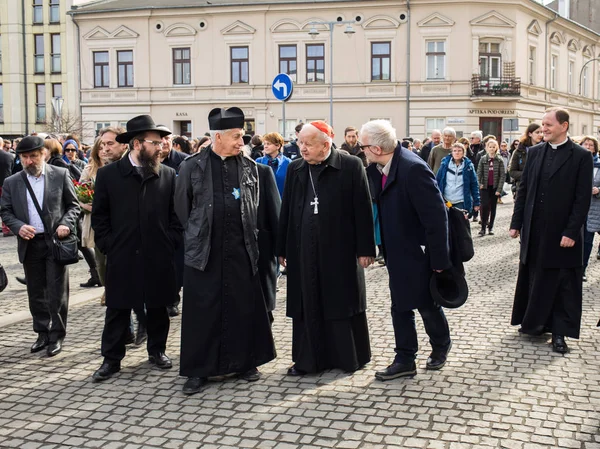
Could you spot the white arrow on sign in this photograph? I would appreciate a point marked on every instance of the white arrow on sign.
(279, 85)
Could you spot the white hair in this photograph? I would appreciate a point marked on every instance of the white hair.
(324, 136)
(381, 133)
(213, 133)
(449, 130)
(477, 134)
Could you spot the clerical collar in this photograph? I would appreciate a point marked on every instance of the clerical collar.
(555, 146)
(326, 157)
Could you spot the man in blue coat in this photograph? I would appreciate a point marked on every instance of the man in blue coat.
(414, 233)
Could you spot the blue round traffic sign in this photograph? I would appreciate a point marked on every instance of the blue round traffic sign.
(282, 87)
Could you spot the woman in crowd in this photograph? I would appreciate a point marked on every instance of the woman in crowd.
(532, 136)
(54, 156)
(505, 156)
(490, 175)
(273, 146)
(257, 149)
(457, 180)
(70, 151)
(182, 144)
(592, 224)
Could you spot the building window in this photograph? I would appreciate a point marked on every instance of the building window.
(380, 61)
(56, 90)
(54, 11)
(38, 53)
(531, 65)
(239, 65)
(100, 126)
(40, 103)
(101, 69)
(490, 61)
(125, 68)
(1, 104)
(181, 66)
(38, 12)
(434, 123)
(289, 131)
(436, 60)
(55, 53)
(584, 82)
(315, 63)
(288, 62)
(571, 77)
(0, 55)
(553, 67)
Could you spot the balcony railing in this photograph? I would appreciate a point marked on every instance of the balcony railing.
(497, 87)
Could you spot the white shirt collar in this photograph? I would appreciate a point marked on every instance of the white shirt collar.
(555, 146)
(131, 160)
(41, 174)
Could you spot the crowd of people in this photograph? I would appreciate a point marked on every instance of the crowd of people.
(219, 219)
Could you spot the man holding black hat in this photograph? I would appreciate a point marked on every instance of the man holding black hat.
(414, 233)
(47, 282)
(225, 325)
(134, 219)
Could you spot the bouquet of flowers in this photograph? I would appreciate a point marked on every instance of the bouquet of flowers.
(84, 191)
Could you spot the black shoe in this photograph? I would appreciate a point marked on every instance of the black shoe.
(106, 371)
(437, 360)
(130, 338)
(490, 232)
(54, 347)
(252, 375)
(40, 343)
(482, 233)
(160, 360)
(22, 280)
(293, 371)
(396, 370)
(93, 281)
(173, 310)
(193, 385)
(142, 335)
(559, 344)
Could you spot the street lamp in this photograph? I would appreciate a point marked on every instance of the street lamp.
(581, 73)
(349, 31)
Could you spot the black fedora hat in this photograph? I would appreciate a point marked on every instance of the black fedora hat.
(139, 125)
(29, 143)
(449, 288)
(220, 119)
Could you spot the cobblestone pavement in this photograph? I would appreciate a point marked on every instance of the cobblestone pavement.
(499, 389)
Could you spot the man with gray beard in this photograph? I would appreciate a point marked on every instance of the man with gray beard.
(136, 227)
(47, 281)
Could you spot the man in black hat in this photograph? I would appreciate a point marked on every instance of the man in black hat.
(134, 219)
(414, 233)
(47, 282)
(225, 325)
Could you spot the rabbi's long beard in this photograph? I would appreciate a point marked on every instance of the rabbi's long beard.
(150, 162)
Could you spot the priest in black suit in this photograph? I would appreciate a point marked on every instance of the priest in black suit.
(326, 239)
(552, 204)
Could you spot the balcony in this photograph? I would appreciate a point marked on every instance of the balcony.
(495, 87)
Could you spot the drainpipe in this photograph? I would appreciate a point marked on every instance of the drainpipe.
(26, 97)
(546, 57)
(78, 67)
(408, 69)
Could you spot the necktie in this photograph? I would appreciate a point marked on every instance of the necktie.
(383, 180)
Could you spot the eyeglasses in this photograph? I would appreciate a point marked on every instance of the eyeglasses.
(156, 143)
(362, 147)
(70, 150)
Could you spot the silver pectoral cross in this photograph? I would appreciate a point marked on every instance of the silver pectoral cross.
(316, 204)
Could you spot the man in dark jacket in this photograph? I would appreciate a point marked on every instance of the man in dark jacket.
(225, 325)
(550, 210)
(326, 239)
(352, 145)
(292, 150)
(414, 233)
(133, 216)
(436, 139)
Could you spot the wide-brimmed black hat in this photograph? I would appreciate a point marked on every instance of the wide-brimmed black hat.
(139, 125)
(247, 139)
(29, 143)
(220, 119)
(449, 288)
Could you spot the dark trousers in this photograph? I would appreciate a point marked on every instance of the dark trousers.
(588, 246)
(48, 290)
(489, 201)
(405, 332)
(116, 329)
(88, 253)
(179, 257)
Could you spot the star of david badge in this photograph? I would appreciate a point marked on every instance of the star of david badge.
(236, 193)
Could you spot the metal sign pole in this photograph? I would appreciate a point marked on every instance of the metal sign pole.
(283, 115)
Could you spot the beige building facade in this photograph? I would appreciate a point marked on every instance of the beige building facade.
(38, 75)
(423, 65)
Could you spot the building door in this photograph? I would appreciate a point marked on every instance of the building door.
(491, 125)
(184, 128)
(249, 126)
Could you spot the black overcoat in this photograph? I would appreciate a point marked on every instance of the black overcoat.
(345, 233)
(136, 227)
(414, 228)
(567, 203)
(269, 205)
